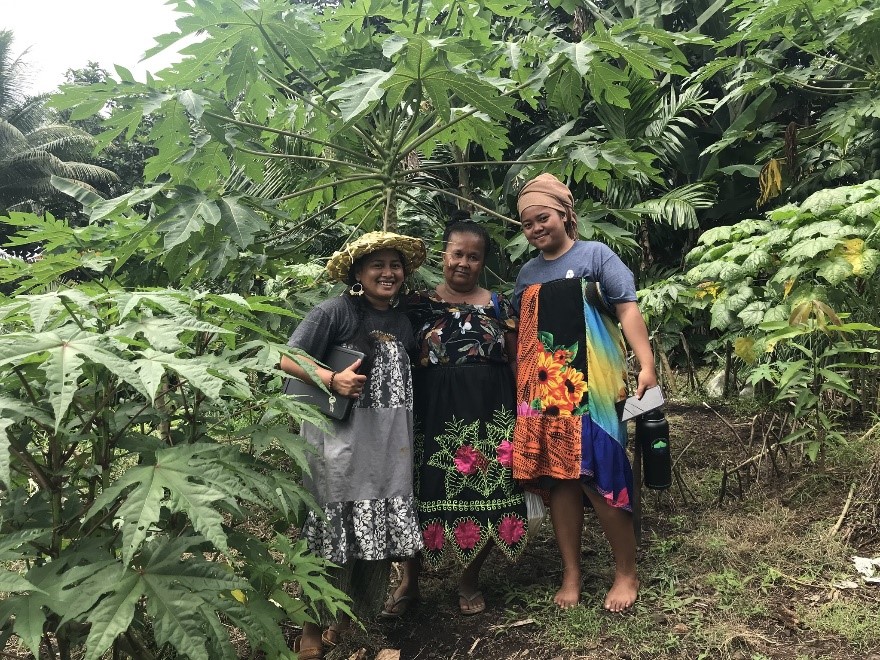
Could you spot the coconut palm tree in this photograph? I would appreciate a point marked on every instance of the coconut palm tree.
(34, 145)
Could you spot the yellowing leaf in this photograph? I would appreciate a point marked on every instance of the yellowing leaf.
(744, 348)
(852, 250)
(239, 595)
(707, 288)
(770, 181)
(789, 285)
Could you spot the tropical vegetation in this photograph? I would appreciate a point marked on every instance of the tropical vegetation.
(149, 469)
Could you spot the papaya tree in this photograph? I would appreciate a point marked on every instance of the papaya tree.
(333, 120)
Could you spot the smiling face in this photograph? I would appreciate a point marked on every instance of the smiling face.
(544, 228)
(463, 261)
(381, 274)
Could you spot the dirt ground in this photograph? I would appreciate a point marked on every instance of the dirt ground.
(765, 573)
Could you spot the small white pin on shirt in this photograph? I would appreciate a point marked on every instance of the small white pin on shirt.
(569, 274)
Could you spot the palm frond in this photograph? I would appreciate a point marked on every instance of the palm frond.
(679, 206)
(672, 117)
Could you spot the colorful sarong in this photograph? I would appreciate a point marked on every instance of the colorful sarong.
(572, 372)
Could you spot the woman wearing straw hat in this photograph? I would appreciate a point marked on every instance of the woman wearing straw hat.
(361, 471)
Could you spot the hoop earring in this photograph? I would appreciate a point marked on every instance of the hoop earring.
(356, 289)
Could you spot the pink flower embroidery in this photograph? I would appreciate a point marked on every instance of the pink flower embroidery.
(511, 529)
(621, 501)
(434, 536)
(467, 534)
(468, 460)
(524, 409)
(504, 452)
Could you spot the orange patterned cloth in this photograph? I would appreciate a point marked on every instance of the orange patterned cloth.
(571, 372)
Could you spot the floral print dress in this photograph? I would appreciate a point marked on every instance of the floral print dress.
(464, 413)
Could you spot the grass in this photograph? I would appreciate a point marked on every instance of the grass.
(750, 580)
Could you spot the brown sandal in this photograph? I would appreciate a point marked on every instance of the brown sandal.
(473, 604)
(311, 653)
(397, 607)
(330, 637)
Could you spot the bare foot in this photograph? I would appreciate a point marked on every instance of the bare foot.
(623, 593)
(569, 594)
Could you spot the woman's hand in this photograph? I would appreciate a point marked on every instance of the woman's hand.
(348, 382)
(647, 378)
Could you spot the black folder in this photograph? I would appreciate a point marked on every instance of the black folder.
(338, 358)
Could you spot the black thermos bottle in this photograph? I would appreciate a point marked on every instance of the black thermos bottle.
(652, 431)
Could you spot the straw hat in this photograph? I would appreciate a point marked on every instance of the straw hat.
(412, 249)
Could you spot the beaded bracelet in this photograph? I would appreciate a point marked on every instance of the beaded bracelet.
(330, 384)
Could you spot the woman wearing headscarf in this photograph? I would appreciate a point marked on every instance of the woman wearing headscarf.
(573, 300)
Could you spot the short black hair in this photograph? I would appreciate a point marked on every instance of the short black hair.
(460, 221)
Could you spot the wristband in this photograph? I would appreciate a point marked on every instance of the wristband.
(330, 384)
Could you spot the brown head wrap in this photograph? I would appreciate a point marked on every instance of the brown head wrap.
(546, 190)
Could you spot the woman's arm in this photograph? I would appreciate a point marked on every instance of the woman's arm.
(510, 345)
(636, 333)
(347, 382)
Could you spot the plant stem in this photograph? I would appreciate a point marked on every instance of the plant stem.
(337, 182)
(76, 320)
(320, 159)
(283, 133)
(323, 210)
(469, 163)
(485, 209)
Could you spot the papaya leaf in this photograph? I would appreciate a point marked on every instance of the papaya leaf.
(176, 620)
(188, 217)
(113, 615)
(11, 582)
(239, 222)
(361, 92)
(176, 471)
(29, 621)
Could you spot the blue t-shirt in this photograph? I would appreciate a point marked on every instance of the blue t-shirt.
(589, 260)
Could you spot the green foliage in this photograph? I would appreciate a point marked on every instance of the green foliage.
(338, 119)
(796, 296)
(141, 434)
(34, 144)
(800, 85)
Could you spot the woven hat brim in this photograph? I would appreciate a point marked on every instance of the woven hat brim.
(412, 249)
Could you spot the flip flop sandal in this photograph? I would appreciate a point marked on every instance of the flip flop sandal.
(311, 653)
(330, 637)
(397, 607)
(472, 608)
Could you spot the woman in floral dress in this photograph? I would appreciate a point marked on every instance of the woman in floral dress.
(464, 410)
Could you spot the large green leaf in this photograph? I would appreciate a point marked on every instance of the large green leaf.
(112, 615)
(174, 471)
(187, 217)
(240, 222)
(11, 582)
(359, 94)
